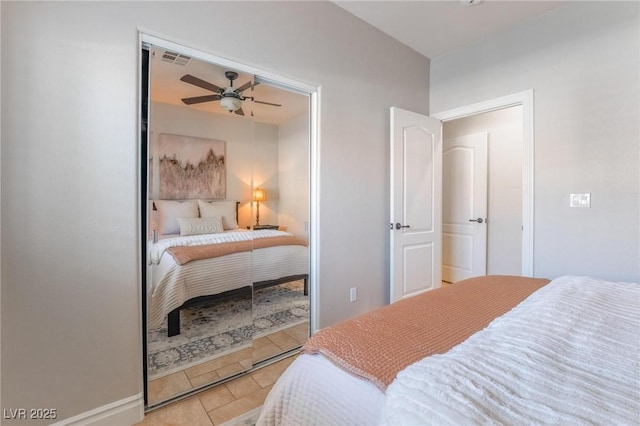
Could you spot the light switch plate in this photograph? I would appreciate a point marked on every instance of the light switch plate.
(582, 199)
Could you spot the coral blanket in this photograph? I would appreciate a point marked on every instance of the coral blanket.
(568, 355)
(379, 344)
(186, 254)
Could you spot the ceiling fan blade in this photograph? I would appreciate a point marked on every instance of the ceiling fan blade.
(200, 99)
(240, 111)
(246, 86)
(266, 103)
(188, 78)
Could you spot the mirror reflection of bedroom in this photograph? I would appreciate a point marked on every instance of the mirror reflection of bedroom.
(227, 177)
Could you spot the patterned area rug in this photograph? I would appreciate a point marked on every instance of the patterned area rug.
(219, 327)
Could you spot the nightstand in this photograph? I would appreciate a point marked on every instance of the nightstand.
(259, 227)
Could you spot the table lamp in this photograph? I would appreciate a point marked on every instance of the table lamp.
(259, 194)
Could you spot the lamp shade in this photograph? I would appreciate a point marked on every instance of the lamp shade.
(259, 194)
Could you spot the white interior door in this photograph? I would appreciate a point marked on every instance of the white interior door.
(416, 203)
(464, 207)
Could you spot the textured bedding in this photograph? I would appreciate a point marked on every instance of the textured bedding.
(377, 345)
(569, 354)
(173, 284)
(313, 391)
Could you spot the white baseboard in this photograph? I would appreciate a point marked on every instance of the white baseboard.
(119, 413)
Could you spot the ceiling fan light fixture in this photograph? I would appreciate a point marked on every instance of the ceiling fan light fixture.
(231, 104)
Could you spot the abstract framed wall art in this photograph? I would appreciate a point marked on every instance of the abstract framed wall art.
(191, 167)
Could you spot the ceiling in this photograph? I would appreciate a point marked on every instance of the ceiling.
(435, 28)
(432, 28)
(167, 87)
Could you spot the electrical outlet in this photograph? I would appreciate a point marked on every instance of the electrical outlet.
(353, 294)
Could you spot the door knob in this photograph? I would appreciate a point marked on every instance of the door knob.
(479, 220)
(398, 226)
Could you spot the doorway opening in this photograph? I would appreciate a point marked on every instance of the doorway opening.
(508, 216)
(482, 195)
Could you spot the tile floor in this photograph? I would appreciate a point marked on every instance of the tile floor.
(221, 403)
(231, 399)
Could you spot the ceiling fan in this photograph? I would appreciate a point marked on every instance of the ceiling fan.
(230, 98)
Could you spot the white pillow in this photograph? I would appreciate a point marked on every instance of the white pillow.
(224, 209)
(169, 211)
(200, 225)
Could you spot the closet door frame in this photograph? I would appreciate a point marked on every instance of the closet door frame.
(313, 91)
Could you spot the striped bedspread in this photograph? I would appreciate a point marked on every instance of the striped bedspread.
(174, 284)
(568, 354)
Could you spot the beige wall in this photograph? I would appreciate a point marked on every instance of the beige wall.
(251, 147)
(293, 172)
(71, 335)
(504, 195)
(582, 61)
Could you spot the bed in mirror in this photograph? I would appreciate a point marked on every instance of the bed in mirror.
(226, 178)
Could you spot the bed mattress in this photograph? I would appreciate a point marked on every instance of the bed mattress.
(567, 354)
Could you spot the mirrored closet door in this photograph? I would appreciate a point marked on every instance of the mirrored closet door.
(226, 193)
(280, 224)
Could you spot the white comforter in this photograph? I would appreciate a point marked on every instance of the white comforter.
(313, 391)
(569, 354)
